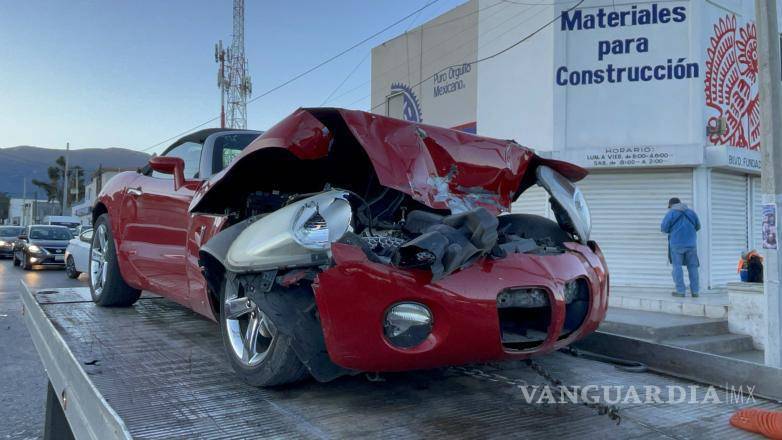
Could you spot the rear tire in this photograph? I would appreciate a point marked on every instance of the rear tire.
(278, 365)
(70, 268)
(107, 286)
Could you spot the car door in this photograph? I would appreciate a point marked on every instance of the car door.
(157, 222)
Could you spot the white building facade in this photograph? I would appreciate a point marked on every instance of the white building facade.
(657, 99)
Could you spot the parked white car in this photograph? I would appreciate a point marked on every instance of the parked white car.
(77, 255)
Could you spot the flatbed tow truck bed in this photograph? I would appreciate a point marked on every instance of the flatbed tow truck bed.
(158, 371)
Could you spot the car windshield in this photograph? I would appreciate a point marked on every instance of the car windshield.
(10, 232)
(50, 233)
(228, 146)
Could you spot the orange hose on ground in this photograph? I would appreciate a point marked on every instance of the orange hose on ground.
(759, 421)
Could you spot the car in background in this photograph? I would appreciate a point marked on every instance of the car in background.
(77, 254)
(41, 245)
(71, 222)
(9, 235)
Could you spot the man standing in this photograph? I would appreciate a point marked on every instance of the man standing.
(681, 224)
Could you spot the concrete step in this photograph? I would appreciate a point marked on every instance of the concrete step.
(716, 344)
(712, 304)
(659, 326)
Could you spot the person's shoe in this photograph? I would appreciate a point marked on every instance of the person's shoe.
(695, 294)
(677, 294)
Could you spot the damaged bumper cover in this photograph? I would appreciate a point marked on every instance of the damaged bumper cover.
(354, 295)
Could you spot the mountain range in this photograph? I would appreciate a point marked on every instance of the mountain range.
(25, 163)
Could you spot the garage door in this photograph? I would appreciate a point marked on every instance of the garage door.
(532, 201)
(627, 208)
(729, 228)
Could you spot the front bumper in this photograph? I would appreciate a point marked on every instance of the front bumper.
(353, 296)
(47, 259)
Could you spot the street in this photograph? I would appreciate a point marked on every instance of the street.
(23, 379)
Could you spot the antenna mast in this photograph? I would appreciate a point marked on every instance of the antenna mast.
(232, 78)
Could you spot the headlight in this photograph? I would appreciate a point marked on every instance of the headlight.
(570, 199)
(407, 324)
(34, 249)
(321, 222)
(4, 243)
(296, 235)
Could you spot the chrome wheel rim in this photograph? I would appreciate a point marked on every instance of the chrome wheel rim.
(98, 266)
(250, 331)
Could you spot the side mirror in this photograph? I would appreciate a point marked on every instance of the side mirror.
(170, 165)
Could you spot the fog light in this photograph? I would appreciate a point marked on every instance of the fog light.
(407, 324)
(33, 260)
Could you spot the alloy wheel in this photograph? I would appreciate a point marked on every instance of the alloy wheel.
(250, 331)
(98, 265)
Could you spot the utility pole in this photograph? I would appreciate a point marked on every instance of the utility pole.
(24, 202)
(65, 178)
(770, 83)
(232, 78)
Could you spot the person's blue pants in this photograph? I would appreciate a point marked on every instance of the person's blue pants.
(685, 256)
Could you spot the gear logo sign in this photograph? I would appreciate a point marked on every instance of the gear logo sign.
(411, 109)
(731, 84)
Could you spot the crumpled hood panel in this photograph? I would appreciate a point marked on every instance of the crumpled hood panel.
(439, 167)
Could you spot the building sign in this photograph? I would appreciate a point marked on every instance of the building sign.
(450, 80)
(634, 156)
(735, 158)
(411, 108)
(618, 57)
(731, 84)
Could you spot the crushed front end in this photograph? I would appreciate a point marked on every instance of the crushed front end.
(395, 241)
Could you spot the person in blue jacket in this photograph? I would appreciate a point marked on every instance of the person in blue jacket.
(682, 224)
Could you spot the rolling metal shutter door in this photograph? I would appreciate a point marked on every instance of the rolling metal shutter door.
(728, 225)
(532, 201)
(627, 208)
(757, 214)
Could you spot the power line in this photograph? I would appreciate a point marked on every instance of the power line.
(304, 73)
(432, 48)
(496, 54)
(447, 40)
(346, 78)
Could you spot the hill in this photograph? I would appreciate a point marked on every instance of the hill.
(18, 164)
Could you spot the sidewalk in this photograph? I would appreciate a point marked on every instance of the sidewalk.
(710, 304)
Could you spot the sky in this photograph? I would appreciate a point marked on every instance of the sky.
(132, 73)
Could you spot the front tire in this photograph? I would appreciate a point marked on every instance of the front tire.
(70, 268)
(26, 265)
(107, 286)
(259, 354)
(16, 262)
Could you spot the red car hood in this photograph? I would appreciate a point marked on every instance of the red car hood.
(440, 167)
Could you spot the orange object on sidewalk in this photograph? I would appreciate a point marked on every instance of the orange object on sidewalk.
(759, 421)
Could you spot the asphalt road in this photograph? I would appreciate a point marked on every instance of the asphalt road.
(22, 378)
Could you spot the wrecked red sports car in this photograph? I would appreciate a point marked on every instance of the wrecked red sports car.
(342, 241)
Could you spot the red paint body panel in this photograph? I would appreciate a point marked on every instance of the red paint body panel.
(409, 157)
(158, 235)
(353, 296)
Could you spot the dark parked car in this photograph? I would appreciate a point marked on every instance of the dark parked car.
(42, 245)
(9, 235)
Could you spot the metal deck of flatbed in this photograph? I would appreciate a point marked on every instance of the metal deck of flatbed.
(161, 373)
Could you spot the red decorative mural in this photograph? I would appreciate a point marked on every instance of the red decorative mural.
(731, 89)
